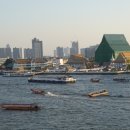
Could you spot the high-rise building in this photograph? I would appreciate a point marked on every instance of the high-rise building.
(37, 48)
(59, 51)
(82, 51)
(67, 52)
(8, 51)
(90, 51)
(55, 53)
(5, 52)
(17, 53)
(2, 53)
(28, 53)
(75, 48)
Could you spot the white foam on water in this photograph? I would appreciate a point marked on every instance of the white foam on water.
(51, 94)
(55, 95)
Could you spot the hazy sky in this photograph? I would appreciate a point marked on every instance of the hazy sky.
(58, 22)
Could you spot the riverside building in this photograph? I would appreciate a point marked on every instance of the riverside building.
(109, 48)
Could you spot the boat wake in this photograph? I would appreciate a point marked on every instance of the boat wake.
(56, 95)
(120, 96)
(51, 94)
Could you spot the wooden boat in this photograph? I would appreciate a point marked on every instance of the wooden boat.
(99, 93)
(20, 107)
(38, 91)
(61, 79)
(95, 80)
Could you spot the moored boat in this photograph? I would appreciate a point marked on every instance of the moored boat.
(121, 79)
(99, 93)
(61, 79)
(21, 107)
(16, 74)
(95, 80)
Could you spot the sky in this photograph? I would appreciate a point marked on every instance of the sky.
(59, 22)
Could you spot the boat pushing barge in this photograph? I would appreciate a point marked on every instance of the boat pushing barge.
(61, 79)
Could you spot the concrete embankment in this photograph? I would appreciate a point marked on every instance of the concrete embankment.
(83, 73)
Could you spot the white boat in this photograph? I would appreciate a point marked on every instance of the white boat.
(61, 79)
(99, 93)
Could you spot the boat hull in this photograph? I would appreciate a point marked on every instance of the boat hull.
(98, 93)
(20, 107)
(50, 81)
(121, 80)
(95, 80)
(38, 91)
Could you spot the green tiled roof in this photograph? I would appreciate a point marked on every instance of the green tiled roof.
(117, 42)
(110, 46)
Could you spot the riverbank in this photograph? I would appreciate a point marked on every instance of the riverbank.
(83, 73)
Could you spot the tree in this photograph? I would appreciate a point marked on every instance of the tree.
(8, 65)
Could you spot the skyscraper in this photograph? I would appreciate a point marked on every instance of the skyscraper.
(90, 51)
(5, 52)
(59, 51)
(8, 51)
(2, 53)
(67, 52)
(75, 48)
(82, 51)
(27, 53)
(37, 48)
(55, 53)
(17, 53)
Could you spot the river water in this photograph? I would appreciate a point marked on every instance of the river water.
(66, 107)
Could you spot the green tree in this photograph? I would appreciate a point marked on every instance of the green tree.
(8, 65)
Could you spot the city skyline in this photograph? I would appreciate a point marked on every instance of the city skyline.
(57, 23)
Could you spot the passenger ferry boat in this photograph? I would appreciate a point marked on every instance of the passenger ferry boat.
(61, 79)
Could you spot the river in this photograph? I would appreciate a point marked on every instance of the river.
(66, 107)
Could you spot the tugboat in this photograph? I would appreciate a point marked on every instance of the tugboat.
(63, 79)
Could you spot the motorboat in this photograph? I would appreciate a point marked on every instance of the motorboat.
(61, 79)
(21, 107)
(99, 93)
(38, 91)
(95, 80)
(121, 79)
